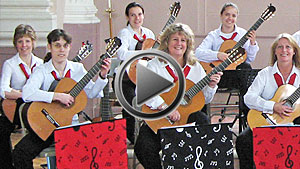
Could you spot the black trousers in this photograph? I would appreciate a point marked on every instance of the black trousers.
(244, 149)
(6, 128)
(147, 145)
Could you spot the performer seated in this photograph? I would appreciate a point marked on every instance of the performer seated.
(208, 50)
(15, 72)
(37, 86)
(178, 41)
(284, 69)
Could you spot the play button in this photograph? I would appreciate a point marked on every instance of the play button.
(149, 84)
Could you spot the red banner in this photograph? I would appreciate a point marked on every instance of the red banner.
(92, 146)
(276, 147)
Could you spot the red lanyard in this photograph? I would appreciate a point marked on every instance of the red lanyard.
(171, 72)
(24, 70)
(136, 38)
(68, 74)
(231, 38)
(279, 82)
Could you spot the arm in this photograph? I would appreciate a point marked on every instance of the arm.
(6, 90)
(251, 47)
(125, 51)
(204, 51)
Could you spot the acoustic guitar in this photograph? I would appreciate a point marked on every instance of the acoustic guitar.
(151, 43)
(43, 118)
(288, 93)
(231, 44)
(9, 106)
(193, 99)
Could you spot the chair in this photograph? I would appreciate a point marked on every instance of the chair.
(245, 78)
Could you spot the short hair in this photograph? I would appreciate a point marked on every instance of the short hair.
(185, 30)
(228, 4)
(24, 30)
(294, 44)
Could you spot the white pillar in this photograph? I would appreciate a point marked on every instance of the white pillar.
(80, 12)
(36, 13)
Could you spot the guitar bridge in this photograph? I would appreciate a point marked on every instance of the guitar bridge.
(50, 118)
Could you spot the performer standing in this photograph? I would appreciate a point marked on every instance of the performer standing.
(178, 41)
(37, 89)
(285, 67)
(15, 72)
(208, 50)
(130, 37)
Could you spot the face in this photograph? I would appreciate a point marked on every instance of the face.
(284, 51)
(135, 17)
(24, 46)
(229, 17)
(177, 45)
(59, 50)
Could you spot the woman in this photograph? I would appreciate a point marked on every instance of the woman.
(285, 62)
(208, 50)
(15, 72)
(178, 41)
(130, 36)
(37, 89)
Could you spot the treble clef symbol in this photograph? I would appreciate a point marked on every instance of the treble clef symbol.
(198, 163)
(93, 163)
(288, 162)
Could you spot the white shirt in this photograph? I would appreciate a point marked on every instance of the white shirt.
(127, 48)
(195, 74)
(37, 86)
(12, 75)
(296, 35)
(264, 87)
(207, 51)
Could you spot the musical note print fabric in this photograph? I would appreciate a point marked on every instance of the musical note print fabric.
(197, 147)
(92, 146)
(276, 147)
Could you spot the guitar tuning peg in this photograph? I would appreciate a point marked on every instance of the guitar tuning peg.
(82, 44)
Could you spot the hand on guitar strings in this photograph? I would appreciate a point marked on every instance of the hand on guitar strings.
(215, 79)
(222, 56)
(252, 37)
(64, 98)
(105, 67)
(282, 110)
(174, 116)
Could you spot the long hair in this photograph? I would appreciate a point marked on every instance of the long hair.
(185, 30)
(294, 44)
(131, 5)
(54, 36)
(24, 30)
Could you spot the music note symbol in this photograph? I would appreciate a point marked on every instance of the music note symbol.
(93, 163)
(288, 162)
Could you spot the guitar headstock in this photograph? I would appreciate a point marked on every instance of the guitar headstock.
(175, 8)
(85, 50)
(268, 13)
(236, 54)
(113, 44)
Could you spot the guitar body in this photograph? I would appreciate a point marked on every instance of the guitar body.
(225, 47)
(62, 114)
(9, 108)
(255, 118)
(195, 104)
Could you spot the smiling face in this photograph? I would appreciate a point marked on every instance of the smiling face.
(24, 46)
(59, 50)
(229, 17)
(177, 45)
(284, 51)
(135, 17)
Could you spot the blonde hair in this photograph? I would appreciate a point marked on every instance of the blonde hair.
(24, 30)
(185, 30)
(294, 44)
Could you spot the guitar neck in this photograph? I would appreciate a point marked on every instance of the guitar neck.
(169, 22)
(87, 77)
(205, 81)
(105, 108)
(295, 96)
(244, 39)
(77, 58)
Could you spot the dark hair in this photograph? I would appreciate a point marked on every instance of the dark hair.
(229, 4)
(54, 36)
(131, 5)
(24, 30)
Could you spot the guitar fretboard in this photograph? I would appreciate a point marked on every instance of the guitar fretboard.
(295, 96)
(244, 39)
(169, 22)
